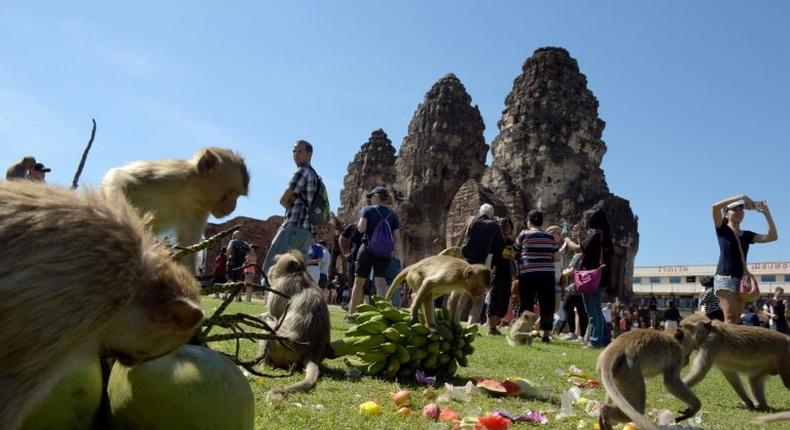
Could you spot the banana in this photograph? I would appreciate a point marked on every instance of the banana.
(444, 359)
(444, 346)
(366, 308)
(393, 314)
(403, 328)
(389, 347)
(433, 347)
(431, 362)
(418, 354)
(373, 356)
(392, 367)
(417, 340)
(372, 327)
(376, 368)
(371, 340)
(452, 367)
(463, 361)
(392, 334)
(402, 353)
(420, 329)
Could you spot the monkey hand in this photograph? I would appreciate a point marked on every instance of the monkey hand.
(684, 415)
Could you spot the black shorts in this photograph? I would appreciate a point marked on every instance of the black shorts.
(366, 262)
(236, 275)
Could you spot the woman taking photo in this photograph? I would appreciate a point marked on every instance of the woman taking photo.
(596, 248)
(733, 249)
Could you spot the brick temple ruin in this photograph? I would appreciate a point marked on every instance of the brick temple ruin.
(547, 155)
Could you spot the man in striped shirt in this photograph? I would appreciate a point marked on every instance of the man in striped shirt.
(536, 270)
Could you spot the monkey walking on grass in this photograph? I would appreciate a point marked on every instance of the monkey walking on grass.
(81, 278)
(303, 320)
(629, 359)
(753, 351)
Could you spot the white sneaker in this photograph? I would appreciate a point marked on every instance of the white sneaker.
(569, 336)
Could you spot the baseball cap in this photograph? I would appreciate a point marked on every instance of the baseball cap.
(40, 167)
(736, 203)
(381, 191)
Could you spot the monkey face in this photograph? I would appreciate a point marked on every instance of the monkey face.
(478, 278)
(226, 205)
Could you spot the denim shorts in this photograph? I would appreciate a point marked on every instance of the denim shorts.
(726, 283)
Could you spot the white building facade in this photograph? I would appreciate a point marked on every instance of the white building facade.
(681, 283)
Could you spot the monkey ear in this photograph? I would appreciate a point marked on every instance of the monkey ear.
(177, 315)
(208, 161)
(679, 335)
(707, 323)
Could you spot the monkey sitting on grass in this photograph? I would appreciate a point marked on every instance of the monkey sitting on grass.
(80, 278)
(521, 328)
(303, 319)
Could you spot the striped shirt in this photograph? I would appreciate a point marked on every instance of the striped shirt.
(537, 251)
(708, 302)
(304, 185)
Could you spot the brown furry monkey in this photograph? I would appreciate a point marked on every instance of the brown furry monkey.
(180, 194)
(19, 170)
(629, 359)
(304, 319)
(80, 278)
(735, 349)
(438, 275)
(521, 329)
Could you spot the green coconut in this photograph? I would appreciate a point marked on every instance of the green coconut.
(192, 388)
(72, 404)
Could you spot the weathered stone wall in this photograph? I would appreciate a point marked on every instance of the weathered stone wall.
(254, 231)
(444, 148)
(549, 150)
(465, 206)
(372, 166)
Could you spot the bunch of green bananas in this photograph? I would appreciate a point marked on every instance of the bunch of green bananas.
(384, 342)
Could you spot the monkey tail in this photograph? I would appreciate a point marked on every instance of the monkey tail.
(311, 372)
(396, 282)
(771, 418)
(607, 378)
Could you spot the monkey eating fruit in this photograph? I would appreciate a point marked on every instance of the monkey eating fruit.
(438, 275)
(521, 328)
(180, 194)
(81, 277)
(629, 359)
(303, 320)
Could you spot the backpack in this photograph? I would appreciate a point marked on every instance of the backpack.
(320, 212)
(381, 243)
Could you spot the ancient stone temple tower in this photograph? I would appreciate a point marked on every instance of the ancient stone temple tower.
(444, 148)
(373, 165)
(549, 150)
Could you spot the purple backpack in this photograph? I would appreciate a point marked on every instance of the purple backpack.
(381, 243)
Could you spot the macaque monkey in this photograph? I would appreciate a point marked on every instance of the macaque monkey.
(438, 275)
(180, 194)
(81, 278)
(19, 170)
(453, 251)
(304, 320)
(734, 349)
(521, 329)
(629, 359)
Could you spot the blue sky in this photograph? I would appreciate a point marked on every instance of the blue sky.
(694, 94)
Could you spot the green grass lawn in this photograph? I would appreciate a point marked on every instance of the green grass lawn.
(333, 404)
